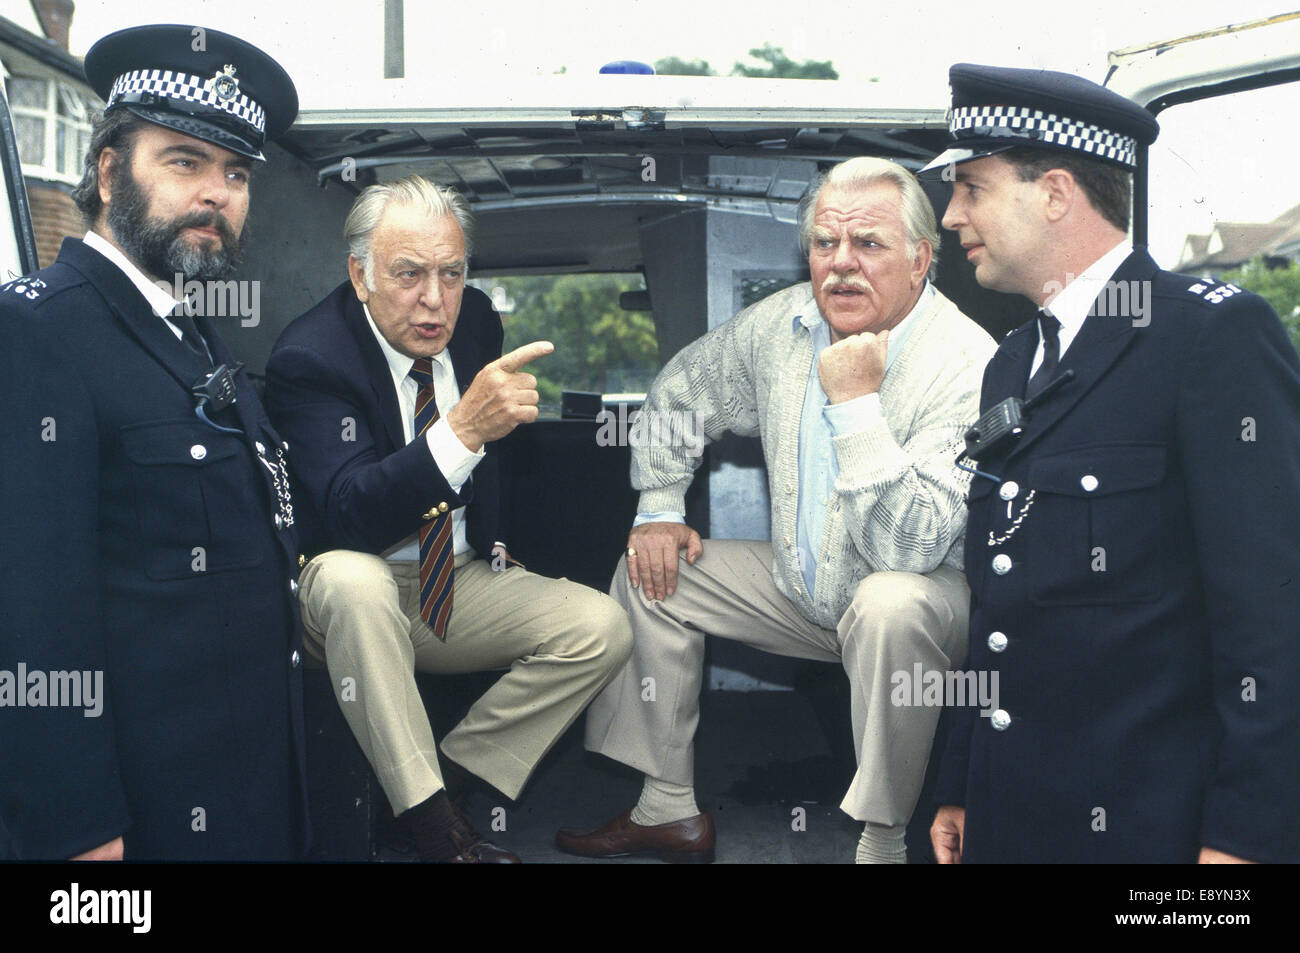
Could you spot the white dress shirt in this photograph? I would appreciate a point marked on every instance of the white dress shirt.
(1072, 303)
(160, 300)
(454, 460)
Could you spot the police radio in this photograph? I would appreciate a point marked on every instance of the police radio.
(1002, 423)
(216, 390)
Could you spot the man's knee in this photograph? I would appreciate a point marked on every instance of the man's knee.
(344, 581)
(892, 594)
(610, 629)
(615, 632)
(596, 628)
(902, 607)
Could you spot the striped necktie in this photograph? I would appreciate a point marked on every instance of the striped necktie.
(437, 558)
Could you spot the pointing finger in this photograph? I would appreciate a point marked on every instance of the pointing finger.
(522, 355)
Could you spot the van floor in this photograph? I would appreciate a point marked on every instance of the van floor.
(763, 769)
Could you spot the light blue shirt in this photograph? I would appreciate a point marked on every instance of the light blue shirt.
(821, 421)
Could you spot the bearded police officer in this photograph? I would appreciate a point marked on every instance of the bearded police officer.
(149, 548)
(1132, 549)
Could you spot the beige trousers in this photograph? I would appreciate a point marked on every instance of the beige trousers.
(646, 718)
(562, 642)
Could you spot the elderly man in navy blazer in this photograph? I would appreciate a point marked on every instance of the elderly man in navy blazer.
(391, 392)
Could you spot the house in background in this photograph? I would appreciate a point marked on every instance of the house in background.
(52, 105)
(1233, 244)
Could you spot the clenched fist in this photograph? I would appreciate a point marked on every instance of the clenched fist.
(854, 366)
(500, 399)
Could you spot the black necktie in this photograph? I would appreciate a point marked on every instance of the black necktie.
(1048, 326)
(190, 333)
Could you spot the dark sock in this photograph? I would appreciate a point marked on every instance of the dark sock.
(430, 824)
(455, 779)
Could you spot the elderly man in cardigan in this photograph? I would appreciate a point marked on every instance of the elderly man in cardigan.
(860, 385)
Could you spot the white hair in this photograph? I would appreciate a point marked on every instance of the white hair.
(359, 227)
(860, 173)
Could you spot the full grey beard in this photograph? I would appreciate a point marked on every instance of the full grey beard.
(159, 246)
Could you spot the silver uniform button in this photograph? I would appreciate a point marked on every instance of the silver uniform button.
(1002, 564)
(279, 521)
(198, 451)
(295, 659)
(1000, 720)
(285, 444)
(1088, 482)
(293, 586)
(1009, 490)
(261, 448)
(997, 642)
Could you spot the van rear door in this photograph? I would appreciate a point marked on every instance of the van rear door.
(17, 239)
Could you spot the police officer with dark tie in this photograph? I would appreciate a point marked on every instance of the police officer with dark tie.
(145, 506)
(1133, 546)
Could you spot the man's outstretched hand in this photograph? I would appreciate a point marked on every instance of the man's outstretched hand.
(654, 567)
(500, 398)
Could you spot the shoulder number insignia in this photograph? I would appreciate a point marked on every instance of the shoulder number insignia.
(1214, 294)
(29, 288)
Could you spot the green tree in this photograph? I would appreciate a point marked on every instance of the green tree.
(776, 65)
(780, 66)
(1280, 287)
(598, 346)
(676, 66)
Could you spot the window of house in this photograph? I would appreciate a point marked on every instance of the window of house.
(52, 125)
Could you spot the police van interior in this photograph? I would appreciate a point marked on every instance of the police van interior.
(686, 188)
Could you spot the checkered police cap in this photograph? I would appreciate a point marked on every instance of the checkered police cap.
(138, 84)
(995, 109)
(200, 82)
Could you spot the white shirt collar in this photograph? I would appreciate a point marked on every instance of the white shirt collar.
(1072, 303)
(160, 300)
(399, 365)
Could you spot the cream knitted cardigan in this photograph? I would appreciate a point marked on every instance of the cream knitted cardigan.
(899, 500)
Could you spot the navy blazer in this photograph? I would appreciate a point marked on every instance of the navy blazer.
(1144, 628)
(330, 392)
(146, 545)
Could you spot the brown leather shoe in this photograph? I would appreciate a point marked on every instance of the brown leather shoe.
(688, 841)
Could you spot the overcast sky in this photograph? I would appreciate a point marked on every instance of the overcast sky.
(1217, 161)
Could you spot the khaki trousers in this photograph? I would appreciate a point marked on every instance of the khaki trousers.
(561, 641)
(646, 718)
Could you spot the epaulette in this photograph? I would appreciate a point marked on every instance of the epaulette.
(29, 287)
(1213, 291)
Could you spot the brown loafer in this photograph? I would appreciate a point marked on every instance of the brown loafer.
(688, 841)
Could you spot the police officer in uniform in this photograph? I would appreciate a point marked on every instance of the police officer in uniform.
(148, 524)
(1133, 551)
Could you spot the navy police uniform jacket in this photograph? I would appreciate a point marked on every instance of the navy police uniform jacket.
(361, 485)
(141, 543)
(1142, 610)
